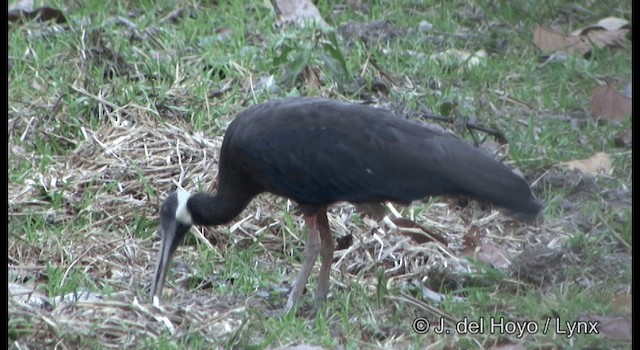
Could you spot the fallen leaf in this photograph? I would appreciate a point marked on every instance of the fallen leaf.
(608, 103)
(602, 38)
(549, 41)
(623, 139)
(599, 163)
(621, 303)
(296, 11)
(611, 327)
(609, 23)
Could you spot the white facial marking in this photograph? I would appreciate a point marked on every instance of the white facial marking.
(182, 212)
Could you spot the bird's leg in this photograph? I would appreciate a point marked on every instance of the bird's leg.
(311, 251)
(326, 253)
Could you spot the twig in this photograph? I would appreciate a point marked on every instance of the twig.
(99, 99)
(383, 72)
(493, 132)
(26, 129)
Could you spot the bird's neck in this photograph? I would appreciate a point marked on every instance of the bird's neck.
(219, 208)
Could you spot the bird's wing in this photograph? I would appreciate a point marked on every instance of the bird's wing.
(339, 162)
(318, 153)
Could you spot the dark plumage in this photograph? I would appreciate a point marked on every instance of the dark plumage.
(318, 152)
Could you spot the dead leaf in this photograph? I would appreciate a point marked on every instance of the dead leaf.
(611, 327)
(599, 163)
(602, 38)
(621, 303)
(296, 11)
(549, 41)
(609, 23)
(608, 103)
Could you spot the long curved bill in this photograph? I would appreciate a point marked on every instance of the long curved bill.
(171, 236)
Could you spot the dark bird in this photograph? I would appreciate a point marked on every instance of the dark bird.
(318, 152)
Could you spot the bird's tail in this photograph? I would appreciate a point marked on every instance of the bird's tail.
(477, 175)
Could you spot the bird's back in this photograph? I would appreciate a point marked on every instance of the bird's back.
(318, 151)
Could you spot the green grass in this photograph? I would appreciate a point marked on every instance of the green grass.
(169, 73)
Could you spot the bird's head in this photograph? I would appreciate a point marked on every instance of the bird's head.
(175, 221)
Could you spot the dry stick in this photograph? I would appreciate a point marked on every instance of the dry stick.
(615, 233)
(75, 261)
(97, 98)
(493, 132)
(106, 148)
(383, 72)
(26, 129)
